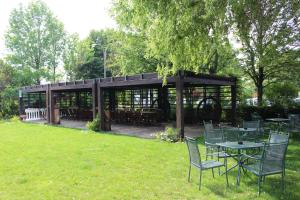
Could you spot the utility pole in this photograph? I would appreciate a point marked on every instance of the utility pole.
(104, 62)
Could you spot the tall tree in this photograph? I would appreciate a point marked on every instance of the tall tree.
(34, 38)
(130, 55)
(189, 35)
(269, 33)
(76, 54)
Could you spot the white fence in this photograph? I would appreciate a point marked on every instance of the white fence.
(35, 114)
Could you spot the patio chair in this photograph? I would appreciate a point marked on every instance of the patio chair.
(211, 137)
(195, 160)
(271, 162)
(274, 137)
(294, 123)
(277, 137)
(253, 136)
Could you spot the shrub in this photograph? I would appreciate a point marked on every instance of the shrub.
(94, 125)
(8, 103)
(15, 119)
(170, 134)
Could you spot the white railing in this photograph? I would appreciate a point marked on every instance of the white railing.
(35, 114)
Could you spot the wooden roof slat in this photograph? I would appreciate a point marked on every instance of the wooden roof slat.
(134, 80)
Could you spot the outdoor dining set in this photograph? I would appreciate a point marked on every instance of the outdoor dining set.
(254, 147)
(141, 116)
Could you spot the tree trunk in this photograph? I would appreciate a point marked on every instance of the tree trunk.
(260, 86)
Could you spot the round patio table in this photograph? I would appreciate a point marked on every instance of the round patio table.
(243, 131)
(278, 120)
(239, 147)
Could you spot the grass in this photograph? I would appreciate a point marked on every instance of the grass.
(43, 162)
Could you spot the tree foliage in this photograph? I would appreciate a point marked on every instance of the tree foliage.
(77, 53)
(269, 34)
(35, 39)
(8, 94)
(130, 56)
(282, 93)
(188, 35)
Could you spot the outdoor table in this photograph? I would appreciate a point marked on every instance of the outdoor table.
(278, 120)
(239, 147)
(242, 131)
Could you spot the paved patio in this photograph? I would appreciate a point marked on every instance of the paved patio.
(130, 130)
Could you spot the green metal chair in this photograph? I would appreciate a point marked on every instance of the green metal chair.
(274, 137)
(253, 136)
(294, 123)
(195, 160)
(213, 136)
(271, 162)
(277, 137)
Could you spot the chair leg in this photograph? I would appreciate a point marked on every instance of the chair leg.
(200, 178)
(282, 181)
(189, 177)
(259, 182)
(212, 171)
(225, 160)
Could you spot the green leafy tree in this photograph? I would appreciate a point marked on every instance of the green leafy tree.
(188, 35)
(8, 93)
(130, 56)
(77, 53)
(269, 34)
(282, 93)
(35, 40)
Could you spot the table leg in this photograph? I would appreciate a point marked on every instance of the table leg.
(239, 168)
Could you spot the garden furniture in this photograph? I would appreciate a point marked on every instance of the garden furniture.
(272, 161)
(239, 146)
(195, 160)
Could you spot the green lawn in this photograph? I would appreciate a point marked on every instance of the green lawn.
(43, 162)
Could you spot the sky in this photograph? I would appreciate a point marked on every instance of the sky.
(78, 16)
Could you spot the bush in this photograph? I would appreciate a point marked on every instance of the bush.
(170, 135)
(246, 112)
(15, 119)
(94, 125)
(8, 103)
(282, 93)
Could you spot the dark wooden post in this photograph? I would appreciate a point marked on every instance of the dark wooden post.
(20, 102)
(112, 100)
(179, 103)
(51, 106)
(94, 99)
(233, 104)
(28, 100)
(48, 104)
(101, 107)
(77, 99)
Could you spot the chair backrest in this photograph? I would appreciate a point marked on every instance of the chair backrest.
(294, 120)
(251, 124)
(230, 135)
(273, 157)
(194, 153)
(208, 126)
(276, 137)
(214, 136)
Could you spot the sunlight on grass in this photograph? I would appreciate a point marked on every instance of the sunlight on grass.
(44, 162)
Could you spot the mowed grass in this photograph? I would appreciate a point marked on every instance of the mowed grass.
(44, 162)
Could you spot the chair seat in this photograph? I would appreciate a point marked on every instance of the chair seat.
(221, 154)
(211, 164)
(267, 169)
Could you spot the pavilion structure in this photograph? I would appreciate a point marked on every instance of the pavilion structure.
(143, 99)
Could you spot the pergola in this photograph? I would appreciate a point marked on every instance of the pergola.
(184, 92)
